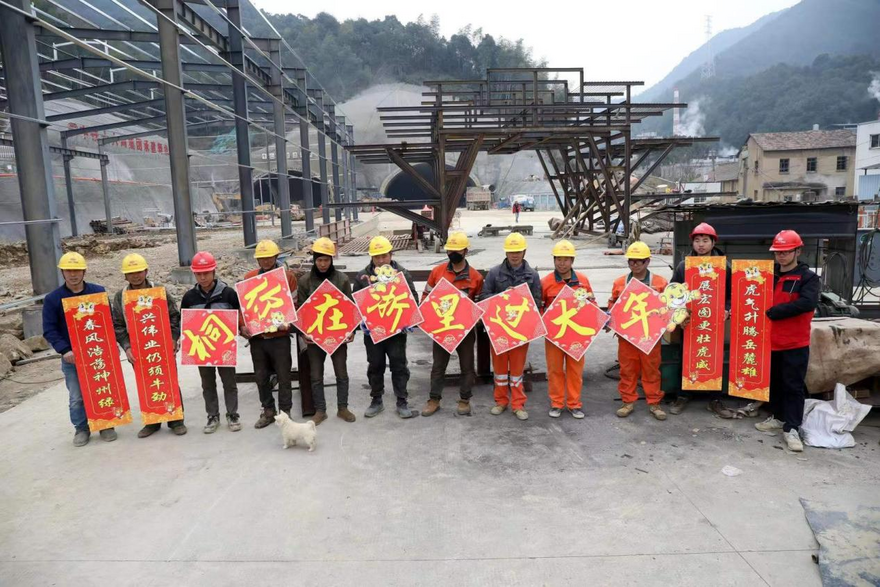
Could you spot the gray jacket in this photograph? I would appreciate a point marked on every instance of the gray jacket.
(120, 327)
(503, 276)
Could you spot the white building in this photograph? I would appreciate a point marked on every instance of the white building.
(867, 163)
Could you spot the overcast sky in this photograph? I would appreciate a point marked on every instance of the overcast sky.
(610, 39)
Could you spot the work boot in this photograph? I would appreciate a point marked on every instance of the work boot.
(625, 410)
(212, 425)
(177, 427)
(344, 413)
(555, 412)
(464, 407)
(576, 413)
(521, 414)
(233, 423)
(376, 407)
(771, 424)
(266, 417)
(320, 416)
(405, 412)
(657, 412)
(716, 407)
(679, 405)
(497, 409)
(431, 407)
(108, 435)
(81, 437)
(793, 440)
(148, 430)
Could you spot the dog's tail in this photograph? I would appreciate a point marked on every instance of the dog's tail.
(312, 424)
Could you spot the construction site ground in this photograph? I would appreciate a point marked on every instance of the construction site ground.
(445, 500)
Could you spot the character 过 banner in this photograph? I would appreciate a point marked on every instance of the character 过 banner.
(328, 317)
(387, 305)
(751, 296)
(209, 337)
(266, 302)
(572, 321)
(639, 316)
(449, 315)
(512, 319)
(90, 325)
(703, 364)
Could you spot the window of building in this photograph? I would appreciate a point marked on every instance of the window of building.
(811, 164)
(840, 191)
(756, 166)
(783, 166)
(875, 141)
(841, 163)
(788, 198)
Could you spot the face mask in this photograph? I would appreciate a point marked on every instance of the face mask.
(455, 257)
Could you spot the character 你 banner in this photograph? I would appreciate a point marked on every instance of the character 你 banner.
(751, 296)
(572, 321)
(703, 366)
(208, 337)
(155, 364)
(266, 302)
(328, 317)
(449, 315)
(512, 319)
(388, 305)
(90, 325)
(640, 316)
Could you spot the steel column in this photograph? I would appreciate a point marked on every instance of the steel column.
(23, 88)
(337, 187)
(175, 120)
(105, 190)
(306, 157)
(280, 143)
(242, 137)
(68, 187)
(354, 184)
(325, 196)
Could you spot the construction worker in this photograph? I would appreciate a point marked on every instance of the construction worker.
(565, 375)
(270, 351)
(134, 270)
(394, 348)
(73, 270)
(459, 273)
(703, 239)
(323, 251)
(509, 366)
(211, 293)
(633, 362)
(795, 297)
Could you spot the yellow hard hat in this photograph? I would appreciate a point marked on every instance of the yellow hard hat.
(514, 243)
(380, 245)
(457, 241)
(324, 246)
(563, 249)
(133, 263)
(638, 250)
(266, 249)
(72, 261)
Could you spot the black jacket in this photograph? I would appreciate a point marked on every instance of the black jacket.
(221, 297)
(311, 281)
(678, 274)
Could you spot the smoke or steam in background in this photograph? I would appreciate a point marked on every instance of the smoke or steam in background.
(874, 87)
(728, 151)
(692, 121)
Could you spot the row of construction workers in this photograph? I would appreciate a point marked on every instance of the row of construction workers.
(795, 297)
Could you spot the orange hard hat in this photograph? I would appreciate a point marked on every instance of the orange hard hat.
(786, 240)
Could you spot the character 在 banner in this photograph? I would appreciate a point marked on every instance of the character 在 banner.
(328, 317)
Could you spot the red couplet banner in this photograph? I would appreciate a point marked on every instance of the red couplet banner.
(572, 322)
(639, 316)
(266, 301)
(449, 315)
(751, 296)
(388, 305)
(328, 317)
(90, 326)
(703, 366)
(208, 337)
(512, 319)
(155, 365)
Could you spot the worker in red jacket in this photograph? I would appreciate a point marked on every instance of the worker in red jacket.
(795, 297)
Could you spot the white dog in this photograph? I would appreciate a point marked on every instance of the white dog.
(292, 431)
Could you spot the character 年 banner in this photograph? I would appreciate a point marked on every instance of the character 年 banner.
(449, 315)
(751, 296)
(328, 317)
(512, 319)
(639, 316)
(155, 364)
(703, 365)
(387, 305)
(90, 326)
(572, 321)
(208, 337)
(266, 302)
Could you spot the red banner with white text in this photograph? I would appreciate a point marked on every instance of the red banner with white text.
(751, 296)
(703, 365)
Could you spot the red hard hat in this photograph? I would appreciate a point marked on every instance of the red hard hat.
(787, 240)
(704, 229)
(203, 262)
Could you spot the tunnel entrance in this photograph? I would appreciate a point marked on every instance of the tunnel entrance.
(400, 186)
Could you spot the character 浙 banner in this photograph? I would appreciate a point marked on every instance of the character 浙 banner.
(703, 364)
(751, 296)
(387, 305)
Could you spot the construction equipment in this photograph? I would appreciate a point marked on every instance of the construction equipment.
(478, 198)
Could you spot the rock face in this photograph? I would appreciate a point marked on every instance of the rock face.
(13, 349)
(36, 344)
(5, 366)
(842, 350)
(12, 324)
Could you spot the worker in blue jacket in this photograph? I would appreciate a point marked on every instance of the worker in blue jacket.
(73, 269)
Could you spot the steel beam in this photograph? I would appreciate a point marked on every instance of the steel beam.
(322, 161)
(105, 192)
(334, 158)
(280, 143)
(306, 158)
(68, 186)
(23, 88)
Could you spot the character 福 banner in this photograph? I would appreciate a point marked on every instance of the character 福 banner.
(703, 365)
(751, 296)
(266, 301)
(208, 337)
(639, 316)
(387, 305)
(328, 317)
(155, 364)
(512, 319)
(449, 315)
(98, 369)
(572, 321)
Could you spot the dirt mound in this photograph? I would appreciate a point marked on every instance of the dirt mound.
(16, 254)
